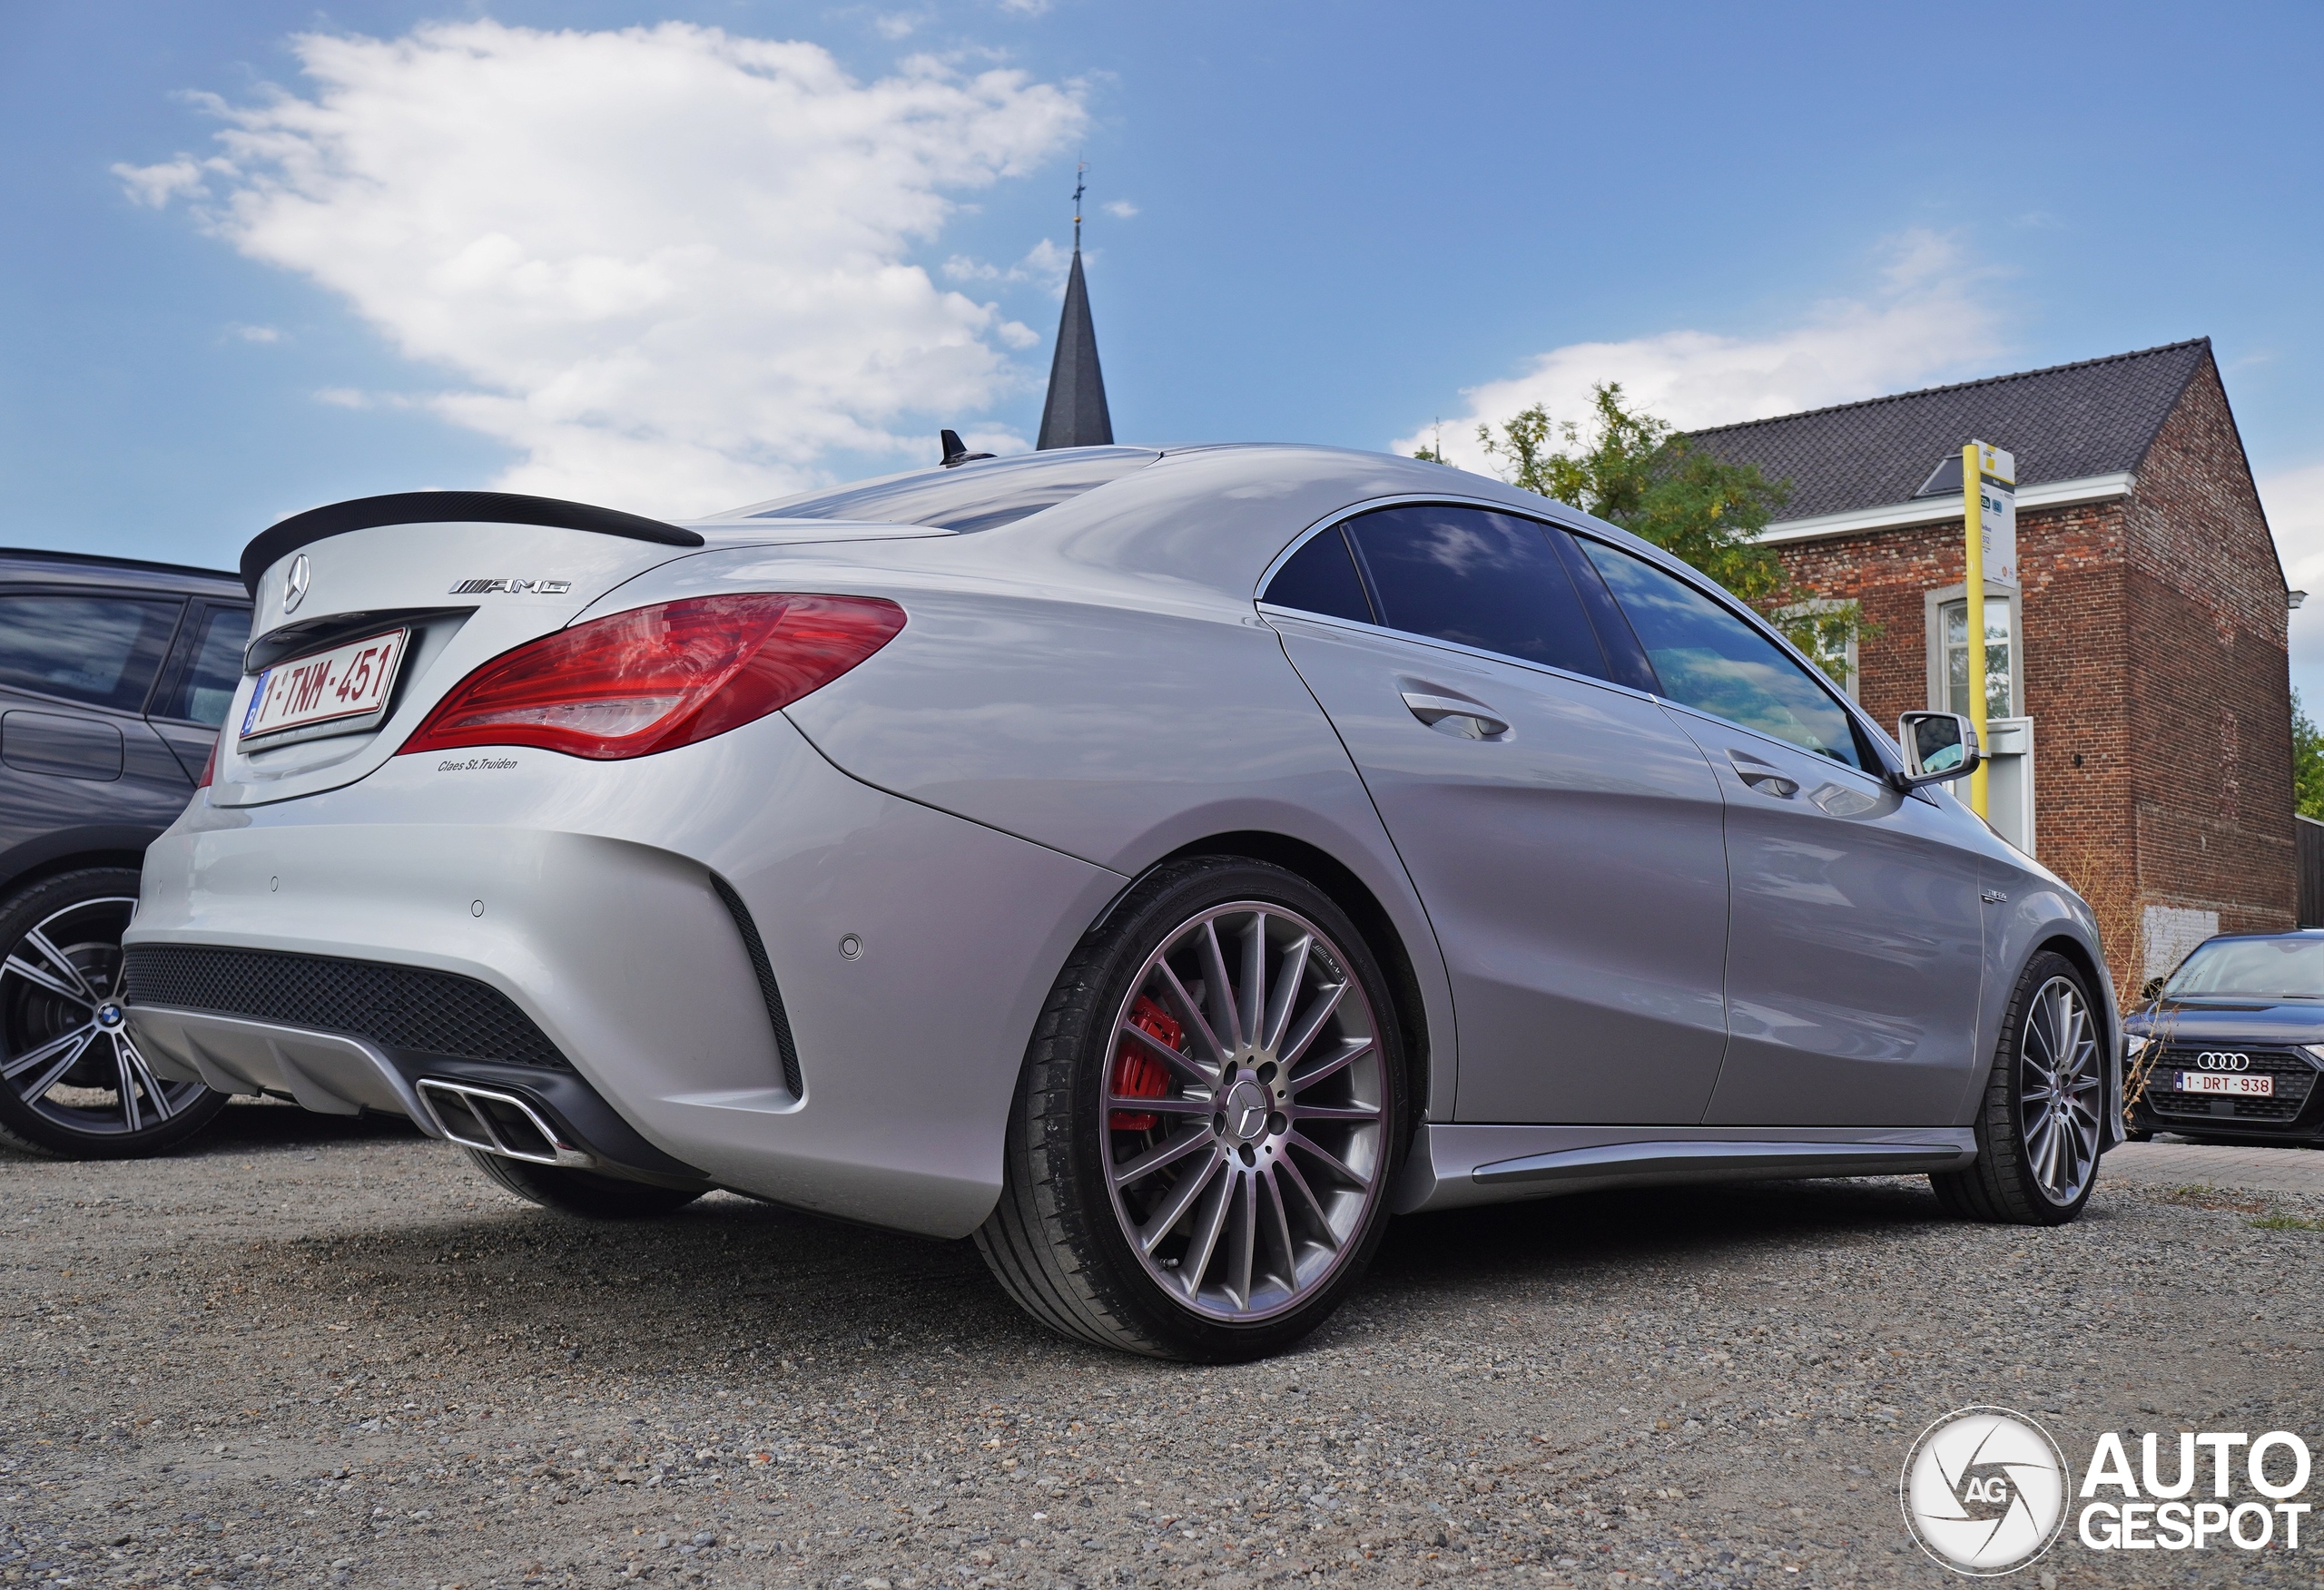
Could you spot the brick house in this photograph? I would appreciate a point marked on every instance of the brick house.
(2139, 692)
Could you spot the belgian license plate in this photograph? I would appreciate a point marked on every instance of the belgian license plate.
(346, 687)
(2241, 1087)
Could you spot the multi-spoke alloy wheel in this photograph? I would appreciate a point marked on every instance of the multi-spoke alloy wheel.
(2060, 1082)
(2039, 1129)
(73, 1080)
(1200, 1163)
(1245, 1112)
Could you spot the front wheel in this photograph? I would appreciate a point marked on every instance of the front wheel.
(2038, 1127)
(1201, 1145)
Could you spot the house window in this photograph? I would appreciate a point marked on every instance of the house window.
(1830, 646)
(2001, 676)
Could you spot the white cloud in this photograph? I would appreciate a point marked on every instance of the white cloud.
(900, 24)
(1044, 263)
(668, 265)
(343, 397)
(1122, 207)
(254, 333)
(1026, 7)
(156, 185)
(1923, 324)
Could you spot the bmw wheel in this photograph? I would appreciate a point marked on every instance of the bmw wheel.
(1215, 1104)
(2038, 1128)
(72, 1081)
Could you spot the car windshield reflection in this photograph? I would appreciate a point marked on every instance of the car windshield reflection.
(2252, 968)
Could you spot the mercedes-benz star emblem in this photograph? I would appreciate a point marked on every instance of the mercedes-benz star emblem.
(294, 588)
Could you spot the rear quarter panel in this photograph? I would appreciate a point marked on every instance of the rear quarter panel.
(1117, 722)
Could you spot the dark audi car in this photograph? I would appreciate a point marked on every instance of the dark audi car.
(2230, 1045)
(114, 677)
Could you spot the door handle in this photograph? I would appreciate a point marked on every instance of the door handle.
(1435, 710)
(1764, 779)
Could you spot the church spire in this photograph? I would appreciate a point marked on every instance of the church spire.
(1075, 414)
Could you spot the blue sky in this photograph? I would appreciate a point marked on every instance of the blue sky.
(715, 268)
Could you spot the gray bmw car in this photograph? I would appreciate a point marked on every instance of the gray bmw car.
(1162, 866)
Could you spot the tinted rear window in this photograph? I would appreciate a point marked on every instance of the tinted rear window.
(983, 495)
(206, 688)
(1490, 581)
(101, 650)
(1321, 577)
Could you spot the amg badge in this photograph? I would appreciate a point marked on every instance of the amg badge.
(513, 588)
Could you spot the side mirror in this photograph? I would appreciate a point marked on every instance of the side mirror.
(1939, 747)
(2149, 988)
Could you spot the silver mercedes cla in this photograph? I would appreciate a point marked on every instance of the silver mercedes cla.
(1162, 866)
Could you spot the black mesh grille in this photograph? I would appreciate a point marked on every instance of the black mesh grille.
(395, 1007)
(2294, 1075)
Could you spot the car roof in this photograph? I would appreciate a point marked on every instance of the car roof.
(1212, 515)
(80, 568)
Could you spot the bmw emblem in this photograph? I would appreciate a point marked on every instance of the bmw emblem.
(294, 588)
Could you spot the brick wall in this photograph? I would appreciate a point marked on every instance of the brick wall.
(2152, 662)
(2214, 803)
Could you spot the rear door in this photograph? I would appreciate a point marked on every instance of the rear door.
(1855, 942)
(76, 666)
(1563, 835)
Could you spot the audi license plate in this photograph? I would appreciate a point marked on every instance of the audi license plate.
(2213, 1082)
(346, 688)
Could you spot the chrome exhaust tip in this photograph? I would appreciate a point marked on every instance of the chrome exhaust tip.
(494, 1122)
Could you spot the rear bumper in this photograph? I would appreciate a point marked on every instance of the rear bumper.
(589, 894)
(341, 1073)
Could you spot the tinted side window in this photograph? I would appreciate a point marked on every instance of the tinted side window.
(205, 688)
(102, 649)
(1711, 661)
(1486, 580)
(1321, 577)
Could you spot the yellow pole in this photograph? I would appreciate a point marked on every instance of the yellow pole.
(1971, 474)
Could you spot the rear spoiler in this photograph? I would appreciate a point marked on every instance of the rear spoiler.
(436, 507)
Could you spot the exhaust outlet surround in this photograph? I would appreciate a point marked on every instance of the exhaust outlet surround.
(493, 1122)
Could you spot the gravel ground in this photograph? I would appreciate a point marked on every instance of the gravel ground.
(310, 1352)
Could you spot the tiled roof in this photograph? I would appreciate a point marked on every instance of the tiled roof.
(2095, 418)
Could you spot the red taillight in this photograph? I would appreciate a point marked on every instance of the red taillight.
(660, 677)
(210, 768)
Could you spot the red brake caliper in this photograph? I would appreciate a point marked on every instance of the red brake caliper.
(1138, 1075)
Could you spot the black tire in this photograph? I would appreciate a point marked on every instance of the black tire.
(1057, 1241)
(583, 1193)
(2006, 1186)
(62, 985)
(2138, 1134)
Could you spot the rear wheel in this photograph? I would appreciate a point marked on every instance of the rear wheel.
(72, 1081)
(1200, 1156)
(582, 1192)
(2038, 1127)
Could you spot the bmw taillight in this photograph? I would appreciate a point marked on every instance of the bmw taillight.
(656, 678)
(210, 768)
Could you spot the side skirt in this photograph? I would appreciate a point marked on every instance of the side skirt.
(1454, 1166)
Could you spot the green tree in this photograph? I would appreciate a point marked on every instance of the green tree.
(1632, 469)
(2306, 762)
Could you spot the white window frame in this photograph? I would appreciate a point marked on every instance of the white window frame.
(1933, 605)
(1833, 605)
